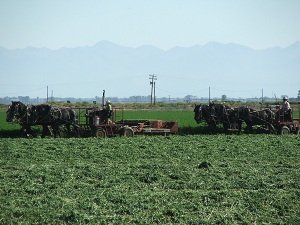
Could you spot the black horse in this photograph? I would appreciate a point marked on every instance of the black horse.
(232, 118)
(51, 119)
(19, 112)
(264, 118)
(214, 114)
(64, 119)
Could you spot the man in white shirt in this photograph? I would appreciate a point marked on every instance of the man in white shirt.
(108, 111)
(286, 109)
(285, 105)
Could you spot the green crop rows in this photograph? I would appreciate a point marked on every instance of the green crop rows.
(192, 179)
(183, 179)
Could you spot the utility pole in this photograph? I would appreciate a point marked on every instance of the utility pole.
(152, 83)
(103, 97)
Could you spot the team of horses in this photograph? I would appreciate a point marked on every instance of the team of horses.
(60, 121)
(55, 121)
(233, 118)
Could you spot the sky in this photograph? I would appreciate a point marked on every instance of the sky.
(56, 24)
(163, 23)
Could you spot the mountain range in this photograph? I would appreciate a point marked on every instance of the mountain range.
(231, 69)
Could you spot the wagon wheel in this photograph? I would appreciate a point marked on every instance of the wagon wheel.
(127, 132)
(100, 133)
(285, 130)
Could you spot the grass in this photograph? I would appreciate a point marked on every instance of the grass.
(8, 129)
(199, 179)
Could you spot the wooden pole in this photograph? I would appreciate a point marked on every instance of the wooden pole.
(103, 98)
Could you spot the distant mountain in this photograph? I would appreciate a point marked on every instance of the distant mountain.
(230, 69)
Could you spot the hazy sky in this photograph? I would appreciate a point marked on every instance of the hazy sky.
(164, 23)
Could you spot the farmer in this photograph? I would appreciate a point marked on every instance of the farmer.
(285, 105)
(286, 108)
(108, 110)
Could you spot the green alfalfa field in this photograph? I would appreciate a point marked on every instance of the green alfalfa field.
(192, 179)
(182, 179)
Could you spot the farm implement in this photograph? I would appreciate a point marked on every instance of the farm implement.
(151, 126)
(286, 124)
(82, 122)
(265, 120)
(94, 122)
(101, 121)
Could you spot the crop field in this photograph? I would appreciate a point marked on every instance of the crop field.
(192, 179)
(182, 179)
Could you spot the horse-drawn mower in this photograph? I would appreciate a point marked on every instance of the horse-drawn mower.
(95, 122)
(82, 122)
(265, 120)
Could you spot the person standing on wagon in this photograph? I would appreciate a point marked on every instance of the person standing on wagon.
(286, 108)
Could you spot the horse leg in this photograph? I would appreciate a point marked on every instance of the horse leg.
(55, 130)
(23, 131)
(68, 130)
(47, 130)
(26, 131)
(212, 127)
(240, 123)
(226, 127)
(249, 127)
(44, 131)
